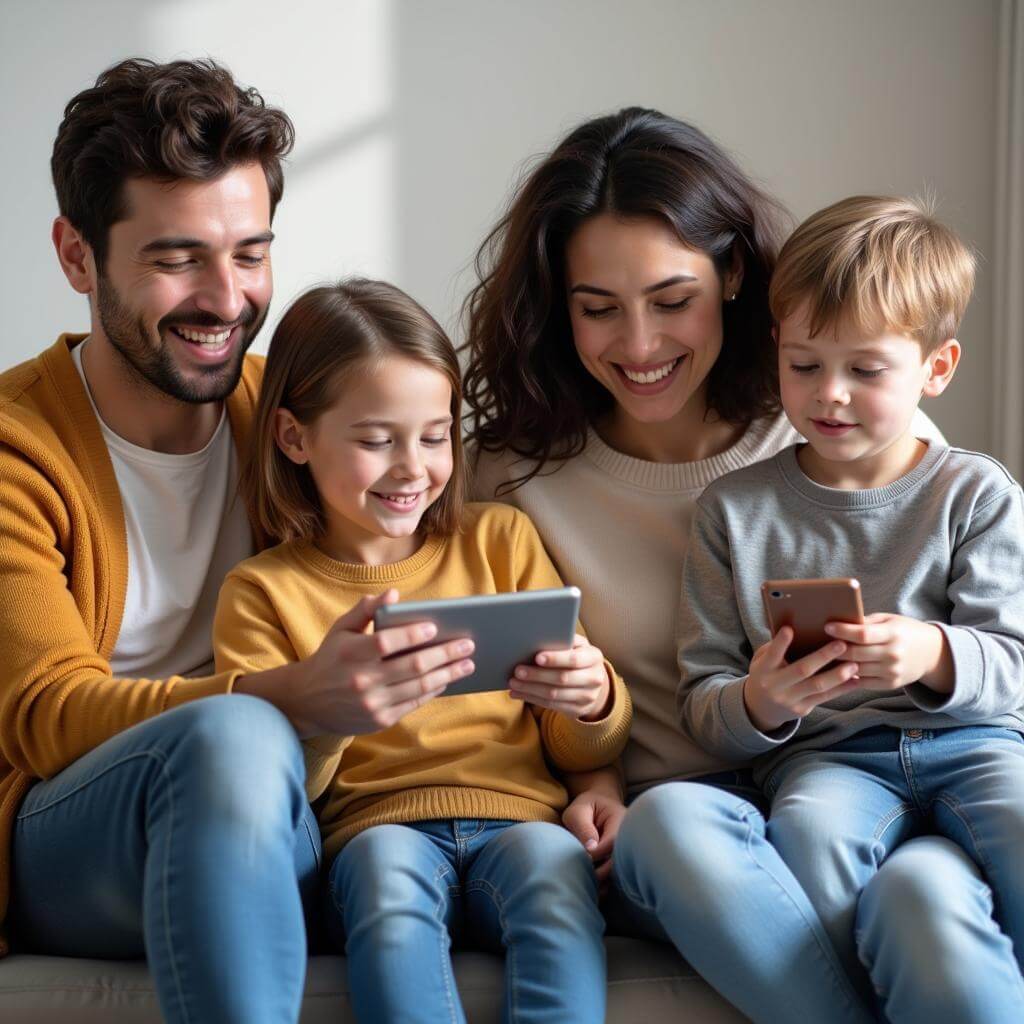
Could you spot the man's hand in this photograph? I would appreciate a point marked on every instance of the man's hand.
(358, 682)
(893, 651)
(574, 682)
(776, 692)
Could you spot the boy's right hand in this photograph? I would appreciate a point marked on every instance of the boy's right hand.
(358, 682)
(776, 692)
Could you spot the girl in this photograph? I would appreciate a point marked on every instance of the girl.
(443, 825)
(620, 359)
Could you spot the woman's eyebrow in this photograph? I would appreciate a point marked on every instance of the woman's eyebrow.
(591, 289)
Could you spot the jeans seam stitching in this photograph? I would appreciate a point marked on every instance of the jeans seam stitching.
(494, 894)
(843, 984)
(445, 954)
(156, 755)
(166, 892)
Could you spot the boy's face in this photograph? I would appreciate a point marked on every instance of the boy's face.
(853, 396)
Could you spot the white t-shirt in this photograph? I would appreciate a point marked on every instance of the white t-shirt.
(186, 528)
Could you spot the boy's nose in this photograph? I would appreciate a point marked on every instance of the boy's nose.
(833, 391)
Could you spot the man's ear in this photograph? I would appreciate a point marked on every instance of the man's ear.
(942, 364)
(75, 256)
(290, 436)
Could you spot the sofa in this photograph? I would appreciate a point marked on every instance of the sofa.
(648, 983)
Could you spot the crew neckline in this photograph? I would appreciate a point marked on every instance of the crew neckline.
(872, 497)
(138, 454)
(682, 476)
(356, 572)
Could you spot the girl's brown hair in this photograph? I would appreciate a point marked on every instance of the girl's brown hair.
(322, 339)
(526, 388)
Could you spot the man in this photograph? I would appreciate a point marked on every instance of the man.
(135, 817)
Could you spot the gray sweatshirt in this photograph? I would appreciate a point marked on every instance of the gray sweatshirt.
(943, 544)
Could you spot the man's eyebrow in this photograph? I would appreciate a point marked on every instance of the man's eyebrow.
(184, 242)
(590, 289)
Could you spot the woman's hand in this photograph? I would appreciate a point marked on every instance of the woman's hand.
(594, 818)
(358, 682)
(575, 682)
(776, 692)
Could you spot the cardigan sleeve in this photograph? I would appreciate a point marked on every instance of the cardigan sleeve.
(58, 696)
(248, 636)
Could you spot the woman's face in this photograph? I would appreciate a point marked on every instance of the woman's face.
(646, 313)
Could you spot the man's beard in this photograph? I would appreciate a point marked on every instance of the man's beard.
(152, 360)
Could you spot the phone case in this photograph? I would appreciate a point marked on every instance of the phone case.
(806, 605)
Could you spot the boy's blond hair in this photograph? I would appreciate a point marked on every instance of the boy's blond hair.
(881, 263)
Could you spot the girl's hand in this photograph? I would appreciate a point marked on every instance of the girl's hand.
(575, 682)
(358, 682)
(594, 819)
(776, 692)
(893, 651)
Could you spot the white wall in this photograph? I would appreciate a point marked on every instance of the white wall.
(414, 118)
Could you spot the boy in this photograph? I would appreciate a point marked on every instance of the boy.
(912, 721)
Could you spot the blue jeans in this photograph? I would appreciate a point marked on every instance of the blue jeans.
(692, 864)
(398, 895)
(186, 839)
(838, 814)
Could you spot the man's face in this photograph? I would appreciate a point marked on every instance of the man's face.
(187, 281)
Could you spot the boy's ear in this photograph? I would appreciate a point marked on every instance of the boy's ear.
(942, 364)
(290, 436)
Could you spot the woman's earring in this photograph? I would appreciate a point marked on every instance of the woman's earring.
(732, 298)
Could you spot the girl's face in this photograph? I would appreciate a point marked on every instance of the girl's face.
(380, 456)
(646, 313)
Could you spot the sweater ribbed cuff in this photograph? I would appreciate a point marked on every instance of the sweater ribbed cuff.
(577, 746)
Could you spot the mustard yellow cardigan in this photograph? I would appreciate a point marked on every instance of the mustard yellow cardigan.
(64, 573)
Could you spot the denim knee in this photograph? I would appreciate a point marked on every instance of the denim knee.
(919, 915)
(240, 755)
(682, 832)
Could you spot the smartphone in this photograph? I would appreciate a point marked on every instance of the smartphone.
(806, 605)
(507, 629)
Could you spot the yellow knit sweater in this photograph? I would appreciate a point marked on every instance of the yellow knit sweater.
(469, 756)
(64, 567)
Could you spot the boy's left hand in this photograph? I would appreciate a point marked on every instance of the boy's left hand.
(574, 682)
(893, 651)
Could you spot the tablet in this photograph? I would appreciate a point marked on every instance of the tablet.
(507, 629)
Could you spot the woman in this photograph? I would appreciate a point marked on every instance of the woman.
(620, 359)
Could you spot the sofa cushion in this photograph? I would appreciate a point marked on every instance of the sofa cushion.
(646, 982)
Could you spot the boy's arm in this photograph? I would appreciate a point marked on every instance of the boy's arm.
(248, 637)
(985, 633)
(59, 698)
(714, 651)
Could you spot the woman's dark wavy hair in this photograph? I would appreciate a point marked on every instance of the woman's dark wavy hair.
(186, 119)
(525, 386)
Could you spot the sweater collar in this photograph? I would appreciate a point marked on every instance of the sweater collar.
(874, 497)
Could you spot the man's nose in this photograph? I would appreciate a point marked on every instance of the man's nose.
(220, 293)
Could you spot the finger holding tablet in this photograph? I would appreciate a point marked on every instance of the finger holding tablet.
(575, 681)
(368, 681)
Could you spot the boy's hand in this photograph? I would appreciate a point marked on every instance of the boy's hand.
(776, 692)
(594, 819)
(893, 651)
(574, 682)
